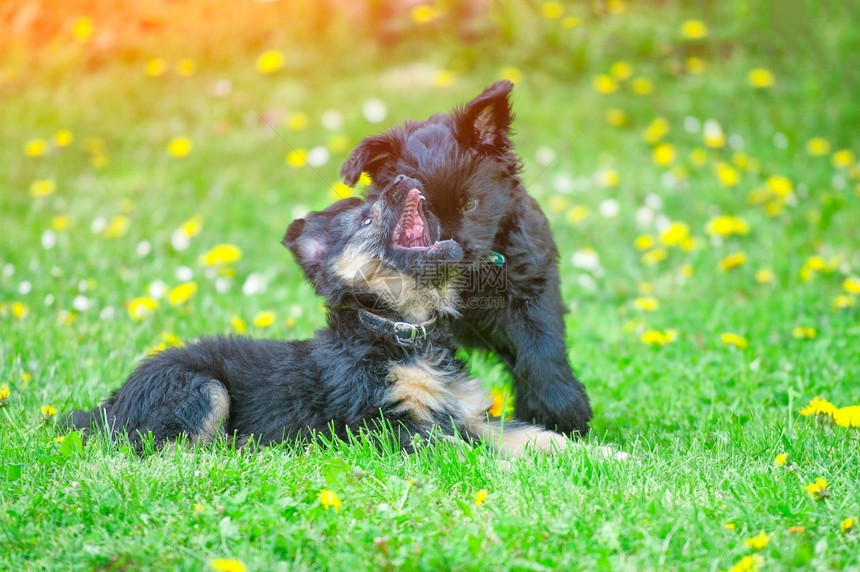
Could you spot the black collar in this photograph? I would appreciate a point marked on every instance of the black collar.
(405, 334)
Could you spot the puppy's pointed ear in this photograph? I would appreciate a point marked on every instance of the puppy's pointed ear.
(485, 122)
(368, 157)
(311, 237)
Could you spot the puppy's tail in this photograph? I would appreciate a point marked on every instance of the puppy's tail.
(85, 419)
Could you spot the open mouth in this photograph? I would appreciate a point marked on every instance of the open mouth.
(412, 230)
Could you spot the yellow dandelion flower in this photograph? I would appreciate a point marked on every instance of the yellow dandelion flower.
(42, 187)
(117, 227)
(779, 185)
(338, 143)
(796, 530)
(847, 416)
(155, 67)
(644, 242)
(694, 30)
(727, 226)
(818, 489)
(758, 542)
(296, 158)
(298, 121)
(227, 565)
(621, 70)
(851, 285)
(675, 234)
(664, 154)
(713, 135)
(186, 67)
(731, 339)
(804, 332)
(730, 526)
(843, 158)
(512, 74)
(5, 392)
(502, 402)
(695, 66)
(20, 310)
(616, 117)
(727, 174)
(750, 563)
(82, 30)
(179, 147)
(341, 191)
(192, 226)
(552, 10)
(817, 146)
(481, 496)
(780, 460)
(181, 293)
(558, 203)
(848, 524)
(656, 130)
(576, 214)
(238, 324)
(270, 61)
(63, 138)
(604, 84)
(443, 78)
(733, 261)
(843, 301)
(264, 319)
(616, 7)
(654, 256)
(48, 411)
(141, 308)
(686, 271)
(424, 13)
(609, 178)
(764, 276)
(659, 338)
(364, 180)
(36, 147)
(329, 499)
(59, 439)
(570, 22)
(761, 78)
(698, 157)
(221, 255)
(642, 86)
(646, 303)
(818, 406)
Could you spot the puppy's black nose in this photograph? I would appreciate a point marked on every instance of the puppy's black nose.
(399, 178)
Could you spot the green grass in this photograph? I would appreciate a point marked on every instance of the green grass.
(702, 421)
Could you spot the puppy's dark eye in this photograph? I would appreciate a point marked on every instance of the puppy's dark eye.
(469, 205)
(367, 221)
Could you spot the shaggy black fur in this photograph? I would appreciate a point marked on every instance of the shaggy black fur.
(384, 253)
(466, 162)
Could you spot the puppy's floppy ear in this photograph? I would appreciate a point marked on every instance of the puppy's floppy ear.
(311, 237)
(370, 154)
(485, 122)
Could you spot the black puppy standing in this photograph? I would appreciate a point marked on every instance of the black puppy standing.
(466, 162)
(386, 279)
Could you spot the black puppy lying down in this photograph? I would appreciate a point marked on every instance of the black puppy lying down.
(386, 279)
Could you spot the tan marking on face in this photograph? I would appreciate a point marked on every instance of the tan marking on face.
(395, 289)
(420, 390)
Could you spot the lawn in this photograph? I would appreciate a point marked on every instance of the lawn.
(699, 166)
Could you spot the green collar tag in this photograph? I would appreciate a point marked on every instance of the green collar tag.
(497, 258)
